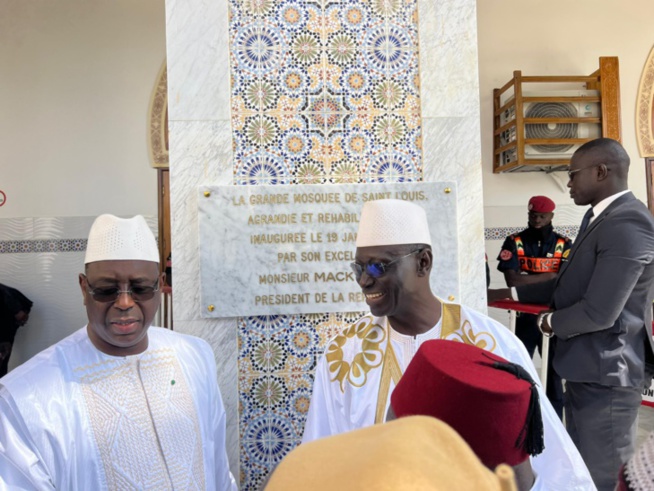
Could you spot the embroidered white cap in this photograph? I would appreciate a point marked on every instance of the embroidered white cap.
(113, 239)
(392, 222)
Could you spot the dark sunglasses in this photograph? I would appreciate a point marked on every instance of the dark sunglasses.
(571, 173)
(378, 269)
(111, 293)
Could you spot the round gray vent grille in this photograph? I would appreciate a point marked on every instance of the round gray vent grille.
(551, 130)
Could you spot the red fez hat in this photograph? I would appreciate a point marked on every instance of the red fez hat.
(492, 403)
(541, 204)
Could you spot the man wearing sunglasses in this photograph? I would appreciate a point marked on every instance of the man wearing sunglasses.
(118, 404)
(361, 366)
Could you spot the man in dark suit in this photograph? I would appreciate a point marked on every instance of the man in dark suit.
(601, 310)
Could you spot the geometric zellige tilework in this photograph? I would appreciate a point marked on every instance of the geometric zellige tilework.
(325, 91)
(46, 245)
(321, 92)
(501, 233)
(276, 362)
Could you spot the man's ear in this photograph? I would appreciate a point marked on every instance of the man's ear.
(81, 287)
(602, 172)
(425, 262)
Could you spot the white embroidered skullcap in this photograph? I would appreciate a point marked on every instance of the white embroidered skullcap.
(112, 239)
(392, 222)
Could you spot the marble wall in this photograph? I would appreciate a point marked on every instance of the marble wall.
(288, 91)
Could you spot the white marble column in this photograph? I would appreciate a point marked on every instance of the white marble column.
(201, 153)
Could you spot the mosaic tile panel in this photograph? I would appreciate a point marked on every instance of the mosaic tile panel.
(501, 233)
(325, 91)
(49, 234)
(28, 246)
(53, 245)
(277, 359)
(322, 92)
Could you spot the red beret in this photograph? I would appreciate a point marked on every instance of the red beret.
(474, 392)
(541, 204)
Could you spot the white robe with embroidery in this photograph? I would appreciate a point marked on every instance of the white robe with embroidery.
(73, 418)
(348, 378)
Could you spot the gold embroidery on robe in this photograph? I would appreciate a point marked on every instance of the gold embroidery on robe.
(466, 334)
(371, 355)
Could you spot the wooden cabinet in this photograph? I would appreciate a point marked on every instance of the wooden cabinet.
(539, 121)
(163, 180)
(649, 182)
(159, 159)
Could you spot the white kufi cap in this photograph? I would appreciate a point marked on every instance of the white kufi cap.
(114, 239)
(392, 222)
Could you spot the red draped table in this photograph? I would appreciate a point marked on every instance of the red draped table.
(528, 308)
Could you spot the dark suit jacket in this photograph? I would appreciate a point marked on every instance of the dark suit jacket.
(602, 298)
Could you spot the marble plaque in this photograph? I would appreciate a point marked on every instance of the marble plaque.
(267, 250)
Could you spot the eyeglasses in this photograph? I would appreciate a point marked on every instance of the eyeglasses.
(571, 173)
(111, 293)
(378, 269)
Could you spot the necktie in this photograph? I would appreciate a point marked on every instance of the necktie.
(585, 221)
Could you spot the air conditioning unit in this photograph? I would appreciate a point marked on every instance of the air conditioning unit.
(573, 109)
(558, 113)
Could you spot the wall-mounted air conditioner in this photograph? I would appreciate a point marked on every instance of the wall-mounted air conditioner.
(553, 130)
(540, 121)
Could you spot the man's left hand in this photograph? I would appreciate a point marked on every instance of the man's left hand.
(494, 294)
(543, 323)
